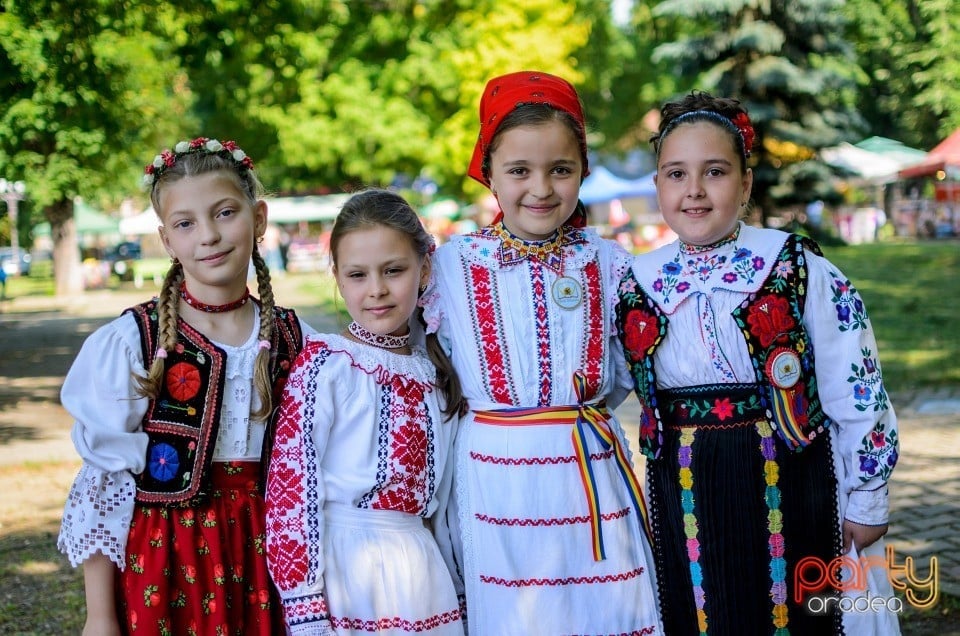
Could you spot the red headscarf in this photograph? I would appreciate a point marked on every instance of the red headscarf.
(504, 93)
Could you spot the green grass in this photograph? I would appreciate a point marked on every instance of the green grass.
(912, 294)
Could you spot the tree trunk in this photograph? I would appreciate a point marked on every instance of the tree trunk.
(67, 273)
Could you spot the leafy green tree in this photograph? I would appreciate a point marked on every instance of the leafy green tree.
(791, 66)
(85, 91)
(622, 82)
(889, 37)
(938, 68)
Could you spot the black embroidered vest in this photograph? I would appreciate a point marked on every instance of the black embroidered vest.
(183, 421)
(771, 320)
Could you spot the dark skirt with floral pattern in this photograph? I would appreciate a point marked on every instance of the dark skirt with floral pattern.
(732, 512)
(202, 570)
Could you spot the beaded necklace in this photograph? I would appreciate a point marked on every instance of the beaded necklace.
(384, 342)
(513, 249)
(212, 309)
(687, 248)
(565, 291)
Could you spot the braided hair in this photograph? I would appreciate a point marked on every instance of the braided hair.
(193, 162)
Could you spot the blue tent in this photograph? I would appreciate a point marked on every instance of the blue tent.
(602, 185)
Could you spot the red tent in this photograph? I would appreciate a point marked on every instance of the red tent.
(945, 156)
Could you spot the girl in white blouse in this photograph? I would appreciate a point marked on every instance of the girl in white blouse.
(768, 431)
(361, 466)
(171, 404)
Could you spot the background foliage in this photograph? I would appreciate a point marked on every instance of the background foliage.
(329, 95)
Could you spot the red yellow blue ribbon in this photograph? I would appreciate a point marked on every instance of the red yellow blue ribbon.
(585, 417)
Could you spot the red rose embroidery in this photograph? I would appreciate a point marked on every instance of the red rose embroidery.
(770, 319)
(640, 330)
(183, 381)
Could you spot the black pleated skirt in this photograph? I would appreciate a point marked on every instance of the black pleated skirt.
(733, 511)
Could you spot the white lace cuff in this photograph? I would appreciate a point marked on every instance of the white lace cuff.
(97, 516)
(869, 507)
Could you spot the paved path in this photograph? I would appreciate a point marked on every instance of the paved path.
(43, 334)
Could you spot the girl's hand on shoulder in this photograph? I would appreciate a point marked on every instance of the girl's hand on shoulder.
(860, 535)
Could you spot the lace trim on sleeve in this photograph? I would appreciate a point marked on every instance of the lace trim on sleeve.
(97, 516)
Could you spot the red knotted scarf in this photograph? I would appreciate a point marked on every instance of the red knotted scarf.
(504, 93)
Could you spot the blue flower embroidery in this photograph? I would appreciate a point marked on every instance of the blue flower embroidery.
(868, 464)
(164, 462)
(671, 269)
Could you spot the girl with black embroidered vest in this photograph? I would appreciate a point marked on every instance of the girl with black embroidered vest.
(172, 402)
(768, 431)
(366, 425)
(549, 528)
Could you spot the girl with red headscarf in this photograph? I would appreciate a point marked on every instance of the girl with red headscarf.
(547, 525)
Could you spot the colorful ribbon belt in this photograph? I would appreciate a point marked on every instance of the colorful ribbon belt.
(586, 418)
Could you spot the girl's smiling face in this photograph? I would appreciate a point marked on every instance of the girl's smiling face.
(701, 183)
(535, 173)
(379, 274)
(209, 225)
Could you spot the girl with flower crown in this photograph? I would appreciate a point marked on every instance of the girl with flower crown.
(361, 465)
(172, 404)
(548, 525)
(768, 431)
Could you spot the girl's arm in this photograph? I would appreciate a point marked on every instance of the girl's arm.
(99, 393)
(850, 384)
(296, 493)
(99, 573)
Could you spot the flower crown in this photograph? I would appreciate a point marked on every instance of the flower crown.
(203, 145)
(742, 122)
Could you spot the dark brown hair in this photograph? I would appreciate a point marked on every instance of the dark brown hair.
(699, 106)
(372, 208)
(535, 114)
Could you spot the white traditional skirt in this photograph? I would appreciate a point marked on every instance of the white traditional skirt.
(384, 574)
(528, 548)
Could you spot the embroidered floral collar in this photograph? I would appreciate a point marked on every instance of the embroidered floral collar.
(686, 248)
(740, 263)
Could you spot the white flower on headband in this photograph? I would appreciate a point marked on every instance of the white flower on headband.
(168, 158)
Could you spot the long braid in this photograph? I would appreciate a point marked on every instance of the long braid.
(261, 374)
(149, 386)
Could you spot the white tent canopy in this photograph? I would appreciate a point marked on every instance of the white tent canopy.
(146, 222)
(307, 208)
(874, 167)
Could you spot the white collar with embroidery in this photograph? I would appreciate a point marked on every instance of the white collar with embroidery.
(739, 263)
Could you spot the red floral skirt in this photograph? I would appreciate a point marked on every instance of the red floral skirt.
(202, 570)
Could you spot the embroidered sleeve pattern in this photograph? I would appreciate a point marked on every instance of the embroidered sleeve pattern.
(850, 381)
(97, 516)
(295, 498)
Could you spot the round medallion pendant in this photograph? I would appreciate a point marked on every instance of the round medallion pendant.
(567, 293)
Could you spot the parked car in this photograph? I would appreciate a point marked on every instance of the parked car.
(11, 266)
(121, 258)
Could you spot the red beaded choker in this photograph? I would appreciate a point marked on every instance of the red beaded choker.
(213, 309)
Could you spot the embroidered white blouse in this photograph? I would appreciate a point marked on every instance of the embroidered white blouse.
(360, 427)
(100, 393)
(698, 290)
